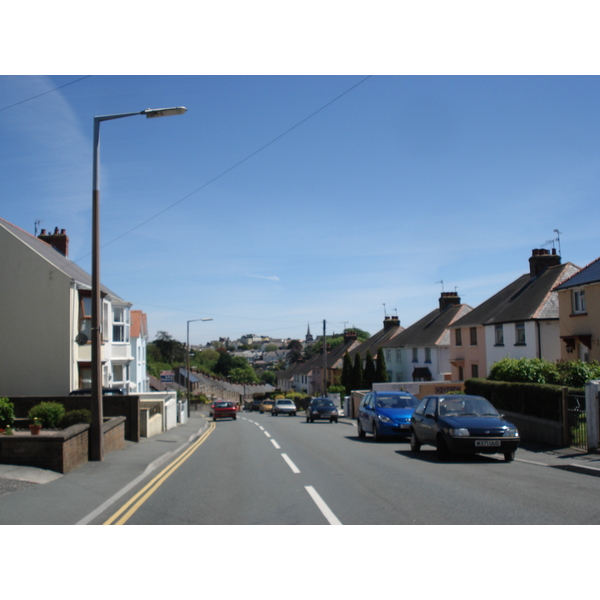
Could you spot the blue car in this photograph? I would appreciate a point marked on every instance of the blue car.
(385, 414)
(462, 424)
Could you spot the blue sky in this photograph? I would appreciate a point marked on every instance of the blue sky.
(277, 202)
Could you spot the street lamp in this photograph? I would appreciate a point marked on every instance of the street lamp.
(96, 441)
(189, 385)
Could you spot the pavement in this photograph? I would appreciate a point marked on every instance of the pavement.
(30, 496)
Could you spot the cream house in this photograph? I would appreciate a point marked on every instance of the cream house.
(45, 319)
(579, 307)
(519, 321)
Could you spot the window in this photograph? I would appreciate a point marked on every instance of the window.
(427, 355)
(474, 370)
(520, 334)
(578, 302)
(499, 333)
(473, 334)
(461, 374)
(120, 325)
(415, 355)
(85, 314)
(458, 337)
(398, 355)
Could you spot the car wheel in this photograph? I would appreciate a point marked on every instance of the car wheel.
(361, 433)
(442, 449)
(234, 417)
(273, 414)
(415, 444)
(376, 436)
(509, 456)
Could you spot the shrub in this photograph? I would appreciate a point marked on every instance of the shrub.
(50, 414)
(7, 413)
(74, 417)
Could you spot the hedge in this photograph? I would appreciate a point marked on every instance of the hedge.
(531, 399)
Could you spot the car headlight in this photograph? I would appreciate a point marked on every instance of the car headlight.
(511, 432)
(461, 432)
(384, 419)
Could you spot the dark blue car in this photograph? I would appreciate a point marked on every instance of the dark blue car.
(385, 414)
(462, 424)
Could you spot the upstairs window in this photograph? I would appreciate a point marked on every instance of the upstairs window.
(85, 314)
(458, 337)
(473, 334)
(120, 325)
(499, 335)
(415, 355)
(427, 355)
(578, 302)
(520, 334)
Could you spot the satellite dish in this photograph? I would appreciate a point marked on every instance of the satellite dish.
(81, 339)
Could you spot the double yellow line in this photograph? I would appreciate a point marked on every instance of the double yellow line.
(130, 507)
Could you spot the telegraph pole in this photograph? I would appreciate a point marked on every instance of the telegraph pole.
(324, 361)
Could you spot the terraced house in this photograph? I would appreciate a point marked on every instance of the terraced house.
(45, 319)
(579, 302)
(520, 321)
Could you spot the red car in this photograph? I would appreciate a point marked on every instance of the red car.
(222, 410)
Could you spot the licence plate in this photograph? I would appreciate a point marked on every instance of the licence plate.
(405, 426)
(487, 442)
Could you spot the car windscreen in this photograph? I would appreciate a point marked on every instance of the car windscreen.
(323, 404)
(466, 406)
(223, 404)
(392, 401)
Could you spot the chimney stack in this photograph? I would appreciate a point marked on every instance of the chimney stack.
(448, 299)
(390, 322)
(58, 240)
(350, 336)
(541, 259)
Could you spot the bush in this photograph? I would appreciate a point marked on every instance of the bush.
(74, 417)
(7, 413)
(49, 413)
(535, 370)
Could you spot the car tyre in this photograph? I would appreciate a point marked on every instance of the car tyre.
(361, 432)
(415, 444)
(376, 436)
(509, 456)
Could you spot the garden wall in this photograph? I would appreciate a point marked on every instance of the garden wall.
(112, 406)
(62, 451)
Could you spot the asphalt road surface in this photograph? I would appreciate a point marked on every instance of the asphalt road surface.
(265, 470)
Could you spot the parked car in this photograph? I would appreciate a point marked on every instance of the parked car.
(283, 407)
(106, 391)
(223, 410)
(385, 414)
(454, 423)
(255, 405)
(321, 408)
(265, 405)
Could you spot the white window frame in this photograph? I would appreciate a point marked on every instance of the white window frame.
(578, 302)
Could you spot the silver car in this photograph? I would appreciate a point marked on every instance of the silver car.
(283, 407)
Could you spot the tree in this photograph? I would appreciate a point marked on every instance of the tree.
(295, 351)
(381, 374)
(169, 350)
(370, 374)
(224, 364)
(347, 379)
(357, 373)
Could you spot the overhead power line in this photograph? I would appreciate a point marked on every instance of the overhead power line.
(236, 165)
(44, 93)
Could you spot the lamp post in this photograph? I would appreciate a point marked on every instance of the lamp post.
(189, 385)
(96, 441)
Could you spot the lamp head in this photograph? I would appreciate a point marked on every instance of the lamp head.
(151, 113)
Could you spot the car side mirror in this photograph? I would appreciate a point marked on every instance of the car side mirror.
(430, 415)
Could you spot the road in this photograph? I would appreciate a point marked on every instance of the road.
(261, 469)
